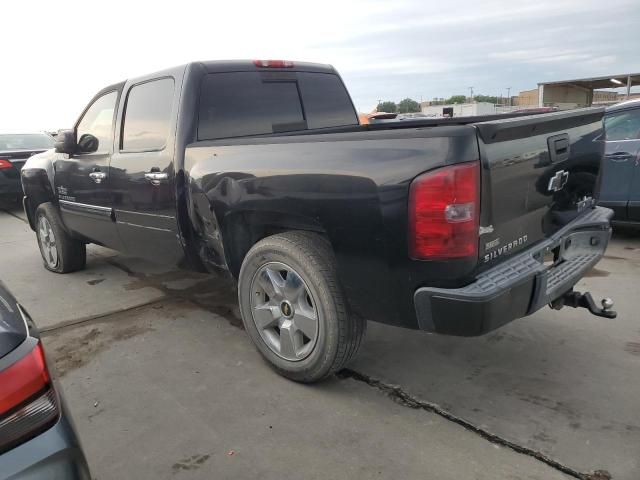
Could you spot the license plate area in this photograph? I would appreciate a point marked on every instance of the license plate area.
(550, 258)
(572, 246)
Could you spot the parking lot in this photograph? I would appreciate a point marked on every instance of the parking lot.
(163, 383)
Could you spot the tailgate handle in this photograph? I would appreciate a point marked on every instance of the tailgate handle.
(559, 147)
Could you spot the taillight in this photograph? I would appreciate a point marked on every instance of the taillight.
(443, 213)
(27, 400)
(273, 63)
(4, 164)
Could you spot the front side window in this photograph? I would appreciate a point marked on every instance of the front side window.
(98, 121)
(147, 117)
(623, 125)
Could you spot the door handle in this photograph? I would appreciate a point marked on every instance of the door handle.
(618, 157)
(559, 147)
(98, 177)
(156, 177)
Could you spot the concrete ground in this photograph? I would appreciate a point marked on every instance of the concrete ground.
(163, 382)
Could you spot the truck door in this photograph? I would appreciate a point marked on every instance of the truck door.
(143, 176)
(82, 180)
(621, 169)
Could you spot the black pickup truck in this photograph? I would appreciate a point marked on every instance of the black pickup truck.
(453, 226)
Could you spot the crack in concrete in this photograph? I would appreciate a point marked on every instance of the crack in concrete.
(401, 397)
(170, 295)
(67, 324)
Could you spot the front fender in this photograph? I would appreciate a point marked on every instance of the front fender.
(38, 183)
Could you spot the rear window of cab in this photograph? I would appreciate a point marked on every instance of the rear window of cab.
(238, 104)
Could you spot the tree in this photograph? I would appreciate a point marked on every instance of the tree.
(387, 106)
(456, 99)
(408, 106)
(486, 98)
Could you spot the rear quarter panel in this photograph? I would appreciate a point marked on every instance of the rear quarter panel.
(351, 188)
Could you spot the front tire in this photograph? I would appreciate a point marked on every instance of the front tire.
(61, 253)
(294, 309)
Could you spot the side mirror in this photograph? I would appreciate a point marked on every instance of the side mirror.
(65, 142)
(87, 144)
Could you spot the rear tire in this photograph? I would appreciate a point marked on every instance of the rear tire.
(61, 253)
(294, 309)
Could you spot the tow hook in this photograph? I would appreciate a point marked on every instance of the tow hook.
(585, 300)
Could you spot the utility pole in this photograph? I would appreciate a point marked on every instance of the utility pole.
(471, 93)
(509, 96)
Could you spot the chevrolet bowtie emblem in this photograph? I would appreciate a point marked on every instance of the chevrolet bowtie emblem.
(558, 181)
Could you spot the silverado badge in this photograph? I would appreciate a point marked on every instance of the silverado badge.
(507, 247)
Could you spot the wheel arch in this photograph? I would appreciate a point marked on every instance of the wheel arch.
(37, 190)
(243, 229)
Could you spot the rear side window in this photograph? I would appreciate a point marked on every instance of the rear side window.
(251, 103)
(147, 116)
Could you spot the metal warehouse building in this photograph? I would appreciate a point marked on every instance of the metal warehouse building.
(576, 93)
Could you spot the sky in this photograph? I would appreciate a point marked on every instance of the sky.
(57, 55)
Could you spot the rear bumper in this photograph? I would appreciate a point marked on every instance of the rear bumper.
(519, 286)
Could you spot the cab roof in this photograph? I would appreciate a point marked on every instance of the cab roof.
(217, 66)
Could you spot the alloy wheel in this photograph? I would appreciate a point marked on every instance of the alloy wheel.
(284, 311)
(47, 242)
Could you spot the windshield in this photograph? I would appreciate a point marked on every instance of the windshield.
(31, 141)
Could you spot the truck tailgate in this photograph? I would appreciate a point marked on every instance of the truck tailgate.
(539, 172)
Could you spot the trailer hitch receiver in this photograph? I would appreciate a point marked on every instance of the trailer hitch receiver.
(585, 300)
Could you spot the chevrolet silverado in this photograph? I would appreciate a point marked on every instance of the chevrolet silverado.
(261, 168)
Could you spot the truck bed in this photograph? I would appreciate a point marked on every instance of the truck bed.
(407, 124)
(351, 185)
